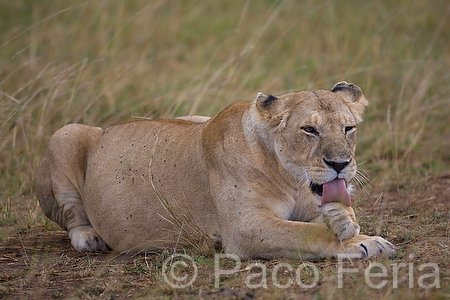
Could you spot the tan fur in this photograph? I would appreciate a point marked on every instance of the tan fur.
(194, 118)
(242, 177)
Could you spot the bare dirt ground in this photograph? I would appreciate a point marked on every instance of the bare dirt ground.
(40, 264)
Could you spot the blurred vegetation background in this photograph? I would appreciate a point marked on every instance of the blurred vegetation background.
(107, 62)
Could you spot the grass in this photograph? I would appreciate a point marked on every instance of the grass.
(107, 62)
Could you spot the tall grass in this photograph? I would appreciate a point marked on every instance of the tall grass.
(106, 62)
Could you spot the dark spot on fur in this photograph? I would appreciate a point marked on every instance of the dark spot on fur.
(270, 99)
(348, 87)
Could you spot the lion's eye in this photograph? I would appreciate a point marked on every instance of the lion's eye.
(310, 129)
(349, 128)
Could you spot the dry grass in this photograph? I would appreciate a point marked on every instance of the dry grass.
(189, 234)
(106, 62)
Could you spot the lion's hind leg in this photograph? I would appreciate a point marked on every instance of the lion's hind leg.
(59, 179)
(83, 236)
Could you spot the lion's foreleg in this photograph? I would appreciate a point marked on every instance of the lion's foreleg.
(265, 236)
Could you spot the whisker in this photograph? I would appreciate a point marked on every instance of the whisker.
(301, 175)
(361, 163)
(365, 176)
(363, 181)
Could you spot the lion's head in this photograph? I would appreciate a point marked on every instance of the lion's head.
(313, 134)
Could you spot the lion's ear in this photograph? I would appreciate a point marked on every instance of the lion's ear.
(353, 96)
(271, 109)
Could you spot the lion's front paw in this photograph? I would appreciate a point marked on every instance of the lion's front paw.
(341, 220)
(345, 230)
(363, 246)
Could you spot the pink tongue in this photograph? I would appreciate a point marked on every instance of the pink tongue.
(335, 191)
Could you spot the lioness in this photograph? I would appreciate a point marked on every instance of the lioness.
(268, 178)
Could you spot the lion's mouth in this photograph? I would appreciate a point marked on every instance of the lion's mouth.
(316, 188)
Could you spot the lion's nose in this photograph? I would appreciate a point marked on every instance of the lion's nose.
(337, 166)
